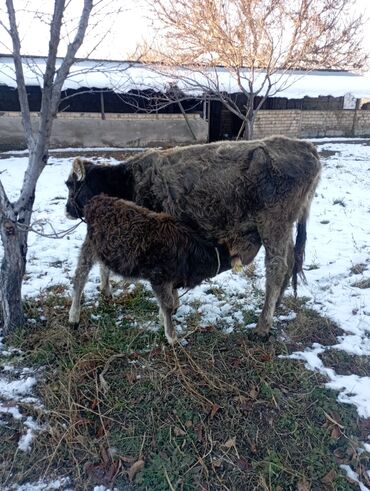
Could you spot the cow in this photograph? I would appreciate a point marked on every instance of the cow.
(240, 194)
(137, 243)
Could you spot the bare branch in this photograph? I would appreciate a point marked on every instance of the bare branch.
(23, 101)
(4, 200)
(256, 41)
(72, 49)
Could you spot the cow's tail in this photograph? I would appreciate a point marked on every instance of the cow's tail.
(301, 237)
(299, 250)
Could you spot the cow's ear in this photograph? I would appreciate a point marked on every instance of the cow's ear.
(78, 169)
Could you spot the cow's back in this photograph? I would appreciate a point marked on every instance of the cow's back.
(223, 186)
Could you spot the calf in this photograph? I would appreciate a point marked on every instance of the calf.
(137, 243)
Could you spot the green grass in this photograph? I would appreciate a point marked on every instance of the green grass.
(224, 413)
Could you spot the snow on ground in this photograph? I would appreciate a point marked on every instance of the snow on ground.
(338, 246)
(337, 263)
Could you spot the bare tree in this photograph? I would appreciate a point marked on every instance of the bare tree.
(256, 42)
(15, 216)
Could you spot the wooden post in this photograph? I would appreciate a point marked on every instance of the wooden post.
(102, 105)
(186, 120)
(354, 121)
(209, 117)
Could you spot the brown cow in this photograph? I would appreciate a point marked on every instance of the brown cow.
(241, 194)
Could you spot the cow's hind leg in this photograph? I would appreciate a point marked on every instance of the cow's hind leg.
(276, 242)
(167, 303)
(86, 261)
(288, 274)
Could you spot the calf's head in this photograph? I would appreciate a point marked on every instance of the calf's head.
(80, 186)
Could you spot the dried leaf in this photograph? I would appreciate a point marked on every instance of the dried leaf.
(131, 377)
(216, 463)
(244, 464)
(329, 477)
(335, 433)
(303, 485)
(127, 459)
(230, 443)
(265, 357)
(94, 404)
(101, 431)
(105, 456)
(199, 432)
(178, 431)
(214, 410)
(135, 468)
(253, 393)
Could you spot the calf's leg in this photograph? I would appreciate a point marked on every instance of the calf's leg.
(176, 301)
(105, 288)
(86, 261)
(164, 294)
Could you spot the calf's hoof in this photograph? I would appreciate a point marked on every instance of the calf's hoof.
(106, 293)
(172, 340)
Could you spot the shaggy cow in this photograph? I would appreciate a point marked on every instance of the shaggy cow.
(240, 194)
(135, 242)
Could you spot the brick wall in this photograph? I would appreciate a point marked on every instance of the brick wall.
(310, 124)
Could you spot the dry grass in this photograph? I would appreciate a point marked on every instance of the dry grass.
(224, 413)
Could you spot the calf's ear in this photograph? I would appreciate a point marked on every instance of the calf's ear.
(78, 169)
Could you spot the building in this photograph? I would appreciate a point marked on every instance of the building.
(117, 103)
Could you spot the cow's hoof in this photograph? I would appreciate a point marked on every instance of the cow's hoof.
(74, 320)
(258, 338)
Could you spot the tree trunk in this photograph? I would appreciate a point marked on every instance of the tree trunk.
(250, 117)
(12, 271)
(13, 264)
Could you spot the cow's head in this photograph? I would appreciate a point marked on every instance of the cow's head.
(80, 187)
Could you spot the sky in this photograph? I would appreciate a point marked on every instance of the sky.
(123, 30)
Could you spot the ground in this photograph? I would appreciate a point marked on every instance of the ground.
(111, 405)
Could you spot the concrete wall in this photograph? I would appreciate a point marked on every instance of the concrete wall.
(141, 130)
(310, 124)
(117, 130)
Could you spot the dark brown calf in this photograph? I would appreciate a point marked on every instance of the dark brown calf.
(140, 244)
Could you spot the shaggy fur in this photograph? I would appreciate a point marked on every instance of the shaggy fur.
(240, 194)
(137, 243)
